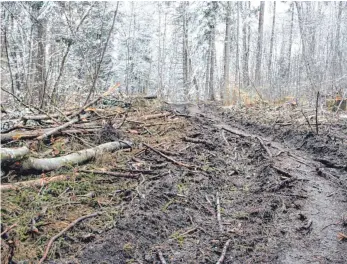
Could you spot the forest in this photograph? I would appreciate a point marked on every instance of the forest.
(173, 132)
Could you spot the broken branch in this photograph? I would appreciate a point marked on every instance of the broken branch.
(224, 251)
(169, 159)
(115, 174)
(51, 241)
(33, 183)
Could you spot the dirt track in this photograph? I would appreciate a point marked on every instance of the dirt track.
(280, 201)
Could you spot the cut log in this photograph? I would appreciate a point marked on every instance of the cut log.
(12, 154)
(74, 158)
(6, 137)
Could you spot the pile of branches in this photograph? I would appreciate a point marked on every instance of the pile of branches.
(29, 133)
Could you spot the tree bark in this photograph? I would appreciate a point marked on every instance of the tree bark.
(272, 43)
(78, 157)
(259, 44)
(92, 88)
(12, 154)
(245, 44)
(227, 95)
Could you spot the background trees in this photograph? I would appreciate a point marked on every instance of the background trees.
(53, 51)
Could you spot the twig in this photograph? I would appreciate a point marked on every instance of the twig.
(285, 173)
(226, 141)
(265, 147)
(197, 140)
(307, 121)
(317, 112)
(222, 257)
(51, 241)
(219, 219)
(161, 257)
(341, 236)
(8, 229)
(34, 183)
(170, 159)
(31, 106)
(115, 174)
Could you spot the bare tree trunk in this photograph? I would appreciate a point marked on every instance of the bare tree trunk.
(259, 44)
(207, 81)
(92, 88)
(245, 43)
(237, 71)
(185, 52)
(8, 59)
(212, 63)
(304, 49)
(227, 96)
(338, 54)
(39, 58)
(290, 42)
(272, 43)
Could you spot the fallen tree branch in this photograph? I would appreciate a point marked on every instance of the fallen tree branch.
(148, 117)
(77, 113)
(8, 229)
(196, 140)
(161, 257)
(233, 130)
(264, 146)
(6, 137)
(170, 159)
(111, 173)
(224, 251)
(330, 164)
(51, 241)
(56, 129)
(279, 170)
(74, 158)
(43, 117)
(12, 154)
(219, 219)
(307, 121)
(33, 183)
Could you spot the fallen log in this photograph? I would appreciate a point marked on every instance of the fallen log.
(12, 154)
(6, 137)
(33, 183)
(78, 157)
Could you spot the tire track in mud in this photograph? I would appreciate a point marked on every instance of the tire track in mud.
(286, 215)
(322, 215)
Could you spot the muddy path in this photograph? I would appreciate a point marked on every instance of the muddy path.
(277, 196)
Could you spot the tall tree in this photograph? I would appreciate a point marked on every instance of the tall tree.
(259, 43)
(246, 36)
(227, 96)
(272, 43)
(185, 50)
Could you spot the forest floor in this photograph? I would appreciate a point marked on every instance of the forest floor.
(204, 184)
